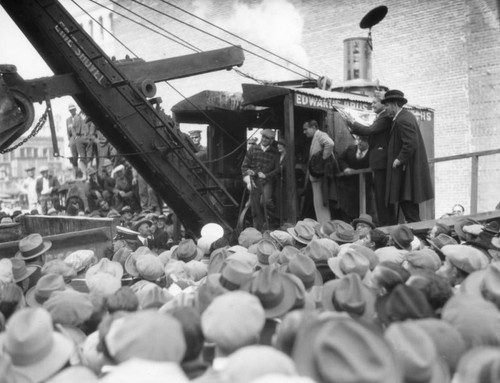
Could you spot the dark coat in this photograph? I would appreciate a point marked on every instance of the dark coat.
(378, 138)
(53, 183)
(411, 181)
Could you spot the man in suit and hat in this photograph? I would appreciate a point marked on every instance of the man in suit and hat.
(29, 186)
(259, 169)
(46, 190)
(320, 152)
(408, 176)
(72, 122)
(378, 138)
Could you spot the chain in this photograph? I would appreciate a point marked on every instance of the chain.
(34, 132)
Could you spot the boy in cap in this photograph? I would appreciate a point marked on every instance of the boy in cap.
(199, 149)
(259, 170)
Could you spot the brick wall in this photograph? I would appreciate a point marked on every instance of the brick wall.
(444, 54)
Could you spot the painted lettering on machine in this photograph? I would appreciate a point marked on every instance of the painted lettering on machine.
(315, 102)
(310, 101)
(62, 31)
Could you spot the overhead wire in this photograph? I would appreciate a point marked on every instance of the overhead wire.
(216, 37)
(238, 37)
(185, 44)
(211, 120)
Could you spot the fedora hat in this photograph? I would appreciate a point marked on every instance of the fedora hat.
(364, 218)
(8, 222)
(32, 246)
(344, 235)
(402, 303)
(265, 248)
(349, 261)
(187, 251)
(416, 353)
(249, 236)
(349, 294)
(44, 288)
(284, 256)
(234, 274)
(130, 262)
(332, 226)
(305, 269)
(81, 259)
(274, 290)
(302, 232)
(105, 266)
(394, 95)
(20, 271)
(35, 348)
(58, 266)
(121, 255)
(344, 350)
(459, 225)
(402, 236)
(282, 237)
(138, 224)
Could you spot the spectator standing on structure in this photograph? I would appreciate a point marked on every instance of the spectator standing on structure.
(46, 189)
(259, 169)
(408, 176)
(29, 186)
(71, 122)
(85, 135)
(320, 152)
(378, 139)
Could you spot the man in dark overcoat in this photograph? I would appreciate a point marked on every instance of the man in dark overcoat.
(408, 176)
(378, 138)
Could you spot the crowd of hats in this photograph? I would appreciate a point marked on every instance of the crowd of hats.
(306, 303)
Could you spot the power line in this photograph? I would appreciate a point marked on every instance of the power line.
(217, 37)
(238, 37)
(166, 82)
(186, 45)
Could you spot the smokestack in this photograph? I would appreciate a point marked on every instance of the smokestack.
(357, 59)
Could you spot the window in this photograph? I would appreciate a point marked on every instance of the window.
(101, 27)
(111, 23)
(91, 28)
(35, 152)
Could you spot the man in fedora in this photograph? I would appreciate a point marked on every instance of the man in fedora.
(29, 187)
(378, 138)
(259, 169)
(408, 176)
(72, 124)
(46, 189)
(320, 152)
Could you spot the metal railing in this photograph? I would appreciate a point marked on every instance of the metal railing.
(474, 156)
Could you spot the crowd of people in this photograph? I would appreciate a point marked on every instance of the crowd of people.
(308, 302)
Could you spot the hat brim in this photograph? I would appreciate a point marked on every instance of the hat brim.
(52, 361)
(361, 220)
(46, 246)
(401, 245)
(340, 240)
(291, 231)
(334, 265)
(29, 270)
(130, 267)
(327, 294)
(142, 221)
(394, 98)
(288, 301)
